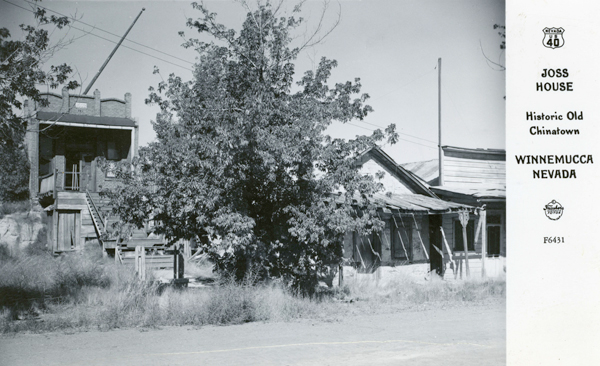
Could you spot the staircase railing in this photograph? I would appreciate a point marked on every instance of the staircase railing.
(100, 226)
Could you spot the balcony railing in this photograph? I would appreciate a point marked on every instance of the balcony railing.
(47, 183)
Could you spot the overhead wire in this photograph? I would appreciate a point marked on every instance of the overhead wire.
(402, 133)
(106, 39)
(105, 31)
(399, 138)
(186, 68)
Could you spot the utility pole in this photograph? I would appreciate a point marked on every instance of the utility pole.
(112, 53)
(441, 153)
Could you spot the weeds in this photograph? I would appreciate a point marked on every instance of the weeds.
(83, 291)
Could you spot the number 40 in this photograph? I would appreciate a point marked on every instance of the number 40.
(553, 42)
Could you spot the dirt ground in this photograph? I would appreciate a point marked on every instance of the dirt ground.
(470, 335)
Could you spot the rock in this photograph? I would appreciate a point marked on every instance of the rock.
(19, 230)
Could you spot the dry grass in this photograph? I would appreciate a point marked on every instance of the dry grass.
(404, 292)
(86, 292)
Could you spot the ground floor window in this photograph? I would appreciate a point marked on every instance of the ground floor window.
(494, 234)
(401, 240)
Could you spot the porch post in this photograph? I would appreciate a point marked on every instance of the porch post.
(483, 219)
(463, 216)
(32, 140)
(133, 144)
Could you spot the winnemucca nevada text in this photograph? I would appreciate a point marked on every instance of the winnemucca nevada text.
(241, 210)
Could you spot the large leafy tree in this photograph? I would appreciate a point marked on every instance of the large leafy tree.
(21, 72)
(242, 162)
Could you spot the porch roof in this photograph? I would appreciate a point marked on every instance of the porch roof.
(481, 192)
(413, 203)
(85, 119)
(416, 203)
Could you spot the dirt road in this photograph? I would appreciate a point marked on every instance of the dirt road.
(463, 336)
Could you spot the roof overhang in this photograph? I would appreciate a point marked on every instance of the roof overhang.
(76, 120)
(416, 204)
(414, 183)
(477, 154)
(480, 194)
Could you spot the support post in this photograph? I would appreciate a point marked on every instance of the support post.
(483, 219)
(420, 238)
(140, 262)
(464, 220)
(440, 152)
(111, 54)
(454, 269)
(178, 269)
(187, 250)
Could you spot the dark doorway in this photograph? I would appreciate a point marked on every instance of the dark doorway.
(72, 175)
(436, 247)
(493, 240)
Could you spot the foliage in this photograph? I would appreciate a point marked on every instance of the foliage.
(14, 173)
(7, 208)
(21, 70)
(42, 293)
(242, 162)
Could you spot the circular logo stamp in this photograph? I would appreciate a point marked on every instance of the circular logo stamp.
(554, 210)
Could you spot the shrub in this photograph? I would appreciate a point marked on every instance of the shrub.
(7, 208)
(14, 174)
(40, 245)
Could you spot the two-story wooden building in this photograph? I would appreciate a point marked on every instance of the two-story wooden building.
(475, 177)
(65, 140)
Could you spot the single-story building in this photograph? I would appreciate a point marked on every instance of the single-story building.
(422, 232)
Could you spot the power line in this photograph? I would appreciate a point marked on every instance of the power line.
(183, 67)
(402, 133)
(395, 90)
(399, 138)
(109, 40)
(133, 49)
(113, 34)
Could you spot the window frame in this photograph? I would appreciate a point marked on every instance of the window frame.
(396, 241)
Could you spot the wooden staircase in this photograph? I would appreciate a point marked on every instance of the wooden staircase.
(98, 223)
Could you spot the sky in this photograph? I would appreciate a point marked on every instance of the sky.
(392, 46)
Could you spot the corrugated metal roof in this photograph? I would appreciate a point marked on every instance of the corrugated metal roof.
(477, 192)
(419, 204)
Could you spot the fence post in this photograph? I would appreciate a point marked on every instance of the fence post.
(187, 250)
(178, 264)
(140, 262)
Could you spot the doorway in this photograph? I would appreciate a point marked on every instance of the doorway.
(68, 231)
(436, 248)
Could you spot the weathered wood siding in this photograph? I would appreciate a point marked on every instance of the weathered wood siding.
(389, 181)
(68, 231)
(356, 249)
(71, 201)
(463, 172)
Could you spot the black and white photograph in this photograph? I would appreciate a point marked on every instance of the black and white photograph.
(551, 140)
(260, 182)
